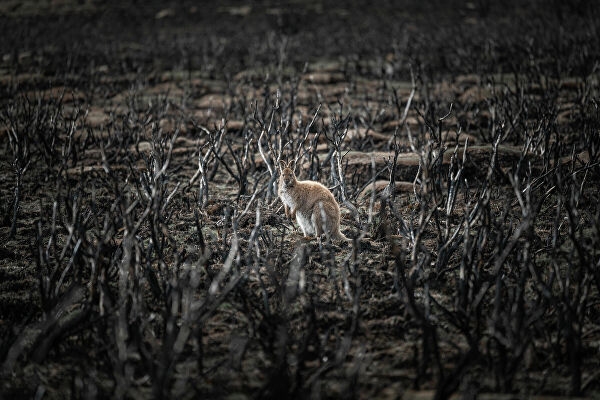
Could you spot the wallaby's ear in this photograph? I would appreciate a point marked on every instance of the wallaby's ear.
(290, 166)
(282, 165)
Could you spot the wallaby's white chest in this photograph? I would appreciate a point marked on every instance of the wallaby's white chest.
(286, 198)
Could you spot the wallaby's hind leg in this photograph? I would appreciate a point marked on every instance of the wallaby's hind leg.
(305, 223)
(315, 219)
(317, 222)
(303, 229)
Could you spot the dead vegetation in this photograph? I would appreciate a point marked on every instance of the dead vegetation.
(145, 253)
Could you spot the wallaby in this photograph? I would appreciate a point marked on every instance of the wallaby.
(312, 204)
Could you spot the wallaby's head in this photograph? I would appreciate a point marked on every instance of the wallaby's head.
(287, 174)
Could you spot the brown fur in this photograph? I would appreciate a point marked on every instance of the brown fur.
(311, 204)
